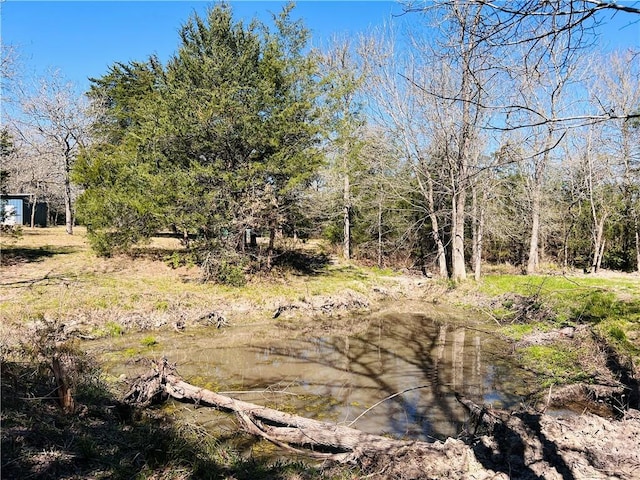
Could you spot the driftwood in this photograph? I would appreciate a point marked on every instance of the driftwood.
(323, 439)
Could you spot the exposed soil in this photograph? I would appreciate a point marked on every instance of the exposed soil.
(526, 446)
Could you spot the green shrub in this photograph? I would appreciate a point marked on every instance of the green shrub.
(180, 259)
(105, 243)
(228, 270)
(231, 275)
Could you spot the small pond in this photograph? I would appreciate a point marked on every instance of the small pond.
(428, 357)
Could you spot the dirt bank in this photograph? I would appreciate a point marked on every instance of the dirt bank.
(526, 446)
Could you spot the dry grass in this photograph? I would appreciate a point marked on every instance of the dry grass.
(49, 274)
(46, 272)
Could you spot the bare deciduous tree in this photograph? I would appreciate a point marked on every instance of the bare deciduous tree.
(526, 25)
(615, 88)
(541, 88)
(466, 60)
(54, 126)
(399, 107)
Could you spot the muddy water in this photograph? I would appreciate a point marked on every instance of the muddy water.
(337, 378)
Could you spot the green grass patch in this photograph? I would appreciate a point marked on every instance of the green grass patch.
(162, 305)
(609, 305)
(110, 329)
(518, 331)
(555, 364)
(589, 299)
(149, 341)
(623, 333)
(130, 352)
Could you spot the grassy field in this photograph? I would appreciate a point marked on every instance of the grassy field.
(48, 273)
(610, 303)
(603, 309)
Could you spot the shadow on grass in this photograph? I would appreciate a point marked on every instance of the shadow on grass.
(301, 263)
(162, 254)
(21, 255)
(597, 305)
(105, 438)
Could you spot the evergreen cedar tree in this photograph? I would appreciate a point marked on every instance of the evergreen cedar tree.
(220, 139)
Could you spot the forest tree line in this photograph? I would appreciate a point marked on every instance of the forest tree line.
(462, 134)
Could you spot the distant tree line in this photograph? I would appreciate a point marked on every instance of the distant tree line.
(475, 133)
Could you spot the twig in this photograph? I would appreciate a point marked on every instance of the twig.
(248, 392)
(488, 313)
(384, 400)
(548, 399)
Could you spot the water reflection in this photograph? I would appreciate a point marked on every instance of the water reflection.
(338, 378)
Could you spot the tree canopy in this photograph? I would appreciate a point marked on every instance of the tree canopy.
(218, 140)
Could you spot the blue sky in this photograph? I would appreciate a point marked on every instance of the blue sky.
(82, 38)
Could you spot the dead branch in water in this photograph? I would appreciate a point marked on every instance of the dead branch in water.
(324, 440)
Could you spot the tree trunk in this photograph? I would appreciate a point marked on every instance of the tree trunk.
(477, 233)
(637, 237)
(532, 263)
(273, 225)
(478, 258)
(68, 210)
(629, 183)
(470, 92)
(427, 193)
(598, 244)
(346, 241)
(565, 246)
(34, 201)
(442, 254)
(379, 233)
(458, 269)
(281, 428)
(271, 247)
(600, 255)
(435, 232)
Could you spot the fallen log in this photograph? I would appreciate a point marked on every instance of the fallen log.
(387, 457)
(325, 440)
